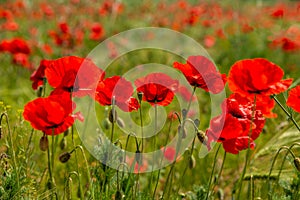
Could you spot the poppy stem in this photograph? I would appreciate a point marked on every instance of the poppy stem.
(77, 165)
(178, 145)
(220, 172)
(212, 172)
(142, 128)
(290, 116)
(157, 180)
(153, 143)
(248, 149)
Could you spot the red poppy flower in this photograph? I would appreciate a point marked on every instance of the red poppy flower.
(16, 45)
(169, 153)
(293, 100)
(61, 73)
(51, 114)
(257, 76)
(38, 75)
(201, 72)
(21, 59)
(97, 32)
(157, 88)
(235, 128)
(120, 89)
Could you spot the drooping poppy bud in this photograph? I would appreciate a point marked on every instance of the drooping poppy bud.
(64, 157)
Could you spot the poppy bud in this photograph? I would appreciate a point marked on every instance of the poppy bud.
(184, 113)
(66, 133)
(112, 116)
(64, 157)
(120, 122)
(105, 123)
(202, 137)
(140, 96)
(138, 157)
(184, 134)
(39, 92)
(297, 163)
(63, 143)
(197, 122)
(192, 162)
(118, 195)
(44, 144)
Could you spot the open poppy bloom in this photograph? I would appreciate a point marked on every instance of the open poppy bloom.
(120, 89)
(235, 128)
(157, 88)
(201, 72)
(63, 72)
(258, 77)
(52, 115)
(293, 100)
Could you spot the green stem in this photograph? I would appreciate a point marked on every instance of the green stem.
(178, 145)
(142, 126)
(290, 116)
(11, 147)
(248, 149)
(220, 172)
(273, 162)
(153, 144)
(77, 164)
(158, 176)
(212, 173)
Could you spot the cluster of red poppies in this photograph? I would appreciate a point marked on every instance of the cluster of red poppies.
(252, 82)
(19, 49)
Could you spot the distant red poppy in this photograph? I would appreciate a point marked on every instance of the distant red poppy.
(51, 114)
(16, 45)
(169, 153)
(257, 76)
(21, 59)
(235, 128)
(120, 89)
(201, 72)
(157, 88)
(293, 100)
(97, 31)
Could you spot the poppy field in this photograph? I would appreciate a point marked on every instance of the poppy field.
(150, 99)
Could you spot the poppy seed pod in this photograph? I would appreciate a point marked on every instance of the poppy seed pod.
(44, 143)
(64, 157)
(112, 116)
(297, 163)
(202, 137)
